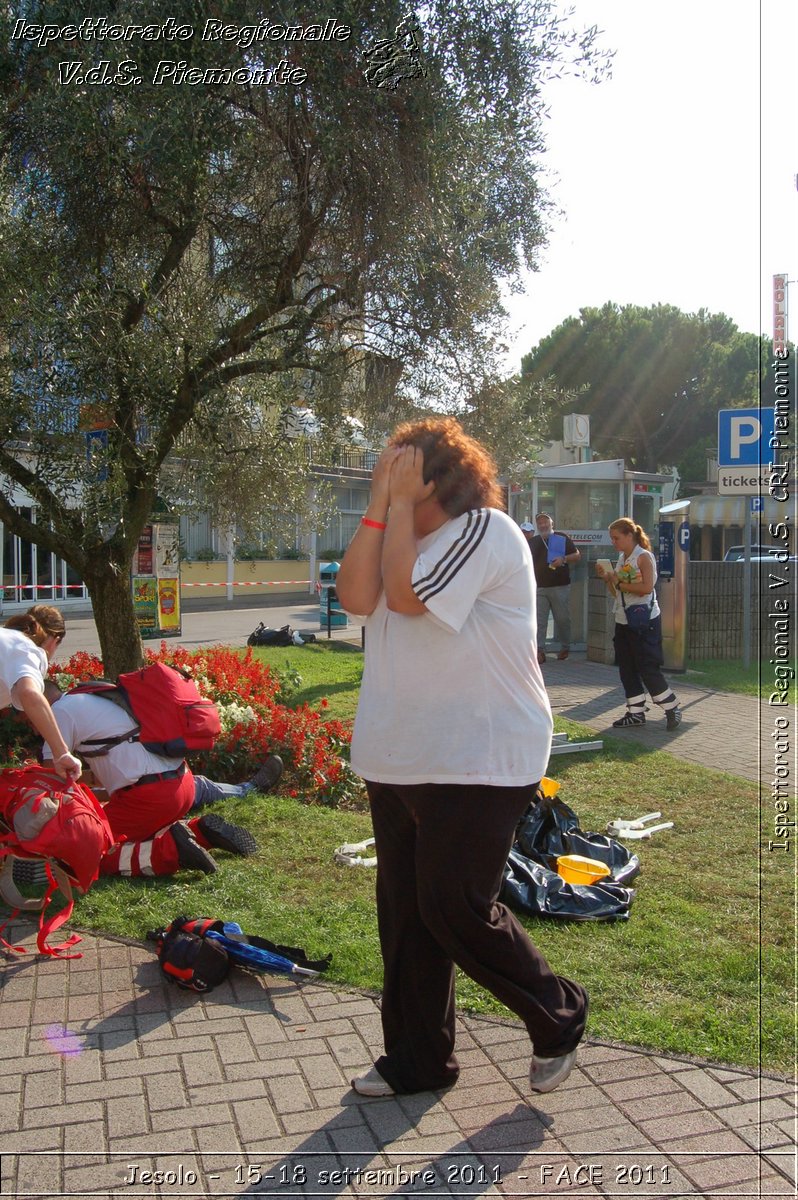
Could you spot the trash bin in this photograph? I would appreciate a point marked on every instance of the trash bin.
(331, 615)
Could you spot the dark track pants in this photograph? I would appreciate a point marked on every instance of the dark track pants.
(639, 658)
(441, 851)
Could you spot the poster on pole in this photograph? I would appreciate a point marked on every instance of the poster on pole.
(156, 581)
(145, 605)
(169, 607)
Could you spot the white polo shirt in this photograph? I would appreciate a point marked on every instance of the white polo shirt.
(20, 658)
(455, 694)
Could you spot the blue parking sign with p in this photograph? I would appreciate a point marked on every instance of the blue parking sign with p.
(744, 436)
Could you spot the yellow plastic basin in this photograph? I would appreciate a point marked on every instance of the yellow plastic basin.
(575, 868)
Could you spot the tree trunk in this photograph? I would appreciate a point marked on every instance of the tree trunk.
(112, 599)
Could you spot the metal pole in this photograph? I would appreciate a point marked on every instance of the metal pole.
(230, 572)
(747, 584)
(312, 563)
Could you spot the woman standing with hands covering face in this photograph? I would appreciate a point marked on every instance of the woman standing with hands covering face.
(452, 735)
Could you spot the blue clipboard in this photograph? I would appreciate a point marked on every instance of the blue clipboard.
(556, 547)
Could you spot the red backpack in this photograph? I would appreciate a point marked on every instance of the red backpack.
(62, 823)
(171, 717)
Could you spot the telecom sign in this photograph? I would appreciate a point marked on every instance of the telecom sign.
(744, 450)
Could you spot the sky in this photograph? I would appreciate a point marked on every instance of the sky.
(674, 181)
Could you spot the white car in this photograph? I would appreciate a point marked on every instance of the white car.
(734, 553)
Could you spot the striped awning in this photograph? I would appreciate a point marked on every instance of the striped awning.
(725, 511)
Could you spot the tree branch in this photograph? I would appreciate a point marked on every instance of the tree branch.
(38, 491)
(65, 547)
(171, 260)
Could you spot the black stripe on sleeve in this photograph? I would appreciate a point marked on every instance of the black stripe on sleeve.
(472, 513)
(456, 556)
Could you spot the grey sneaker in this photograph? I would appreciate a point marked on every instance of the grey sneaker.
(372, 1084)
(268, 774)
(545, 1074)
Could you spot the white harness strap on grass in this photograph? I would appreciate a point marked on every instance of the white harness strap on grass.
(348, 855)
(637, 828)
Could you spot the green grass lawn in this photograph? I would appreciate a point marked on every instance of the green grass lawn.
(728, 675)
(703, 966)
(328, 669)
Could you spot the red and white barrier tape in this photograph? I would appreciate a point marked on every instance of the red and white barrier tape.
(48, 587)
(40, 587)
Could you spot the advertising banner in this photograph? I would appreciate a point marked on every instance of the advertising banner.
(167, 553)
(145, 605)
(169, 607)
(143, 559)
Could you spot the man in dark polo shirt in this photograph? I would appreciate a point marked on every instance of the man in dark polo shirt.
(552, 554)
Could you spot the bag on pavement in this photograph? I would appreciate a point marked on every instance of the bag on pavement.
(196, 953)
(170, 716)
(188, 959)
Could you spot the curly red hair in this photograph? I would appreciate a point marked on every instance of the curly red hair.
(463, 471)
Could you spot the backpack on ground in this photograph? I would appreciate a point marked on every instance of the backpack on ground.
(193, 962)
(171, 718)
(263, 636)
(196, 953)
(61, 823)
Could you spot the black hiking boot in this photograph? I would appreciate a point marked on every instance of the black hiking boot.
(190, 855)
(267, 775)
(224, 836)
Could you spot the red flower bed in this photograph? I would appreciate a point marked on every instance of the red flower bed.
(255, 722)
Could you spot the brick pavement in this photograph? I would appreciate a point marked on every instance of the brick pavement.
(110, 1074)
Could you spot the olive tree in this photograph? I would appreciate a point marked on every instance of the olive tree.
(196, 227)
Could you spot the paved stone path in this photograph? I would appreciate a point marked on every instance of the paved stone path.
(110, 1074)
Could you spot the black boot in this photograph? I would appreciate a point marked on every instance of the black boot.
(224, 836)
(190, 855)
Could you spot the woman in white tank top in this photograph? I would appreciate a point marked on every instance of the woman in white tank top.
(638, 652)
